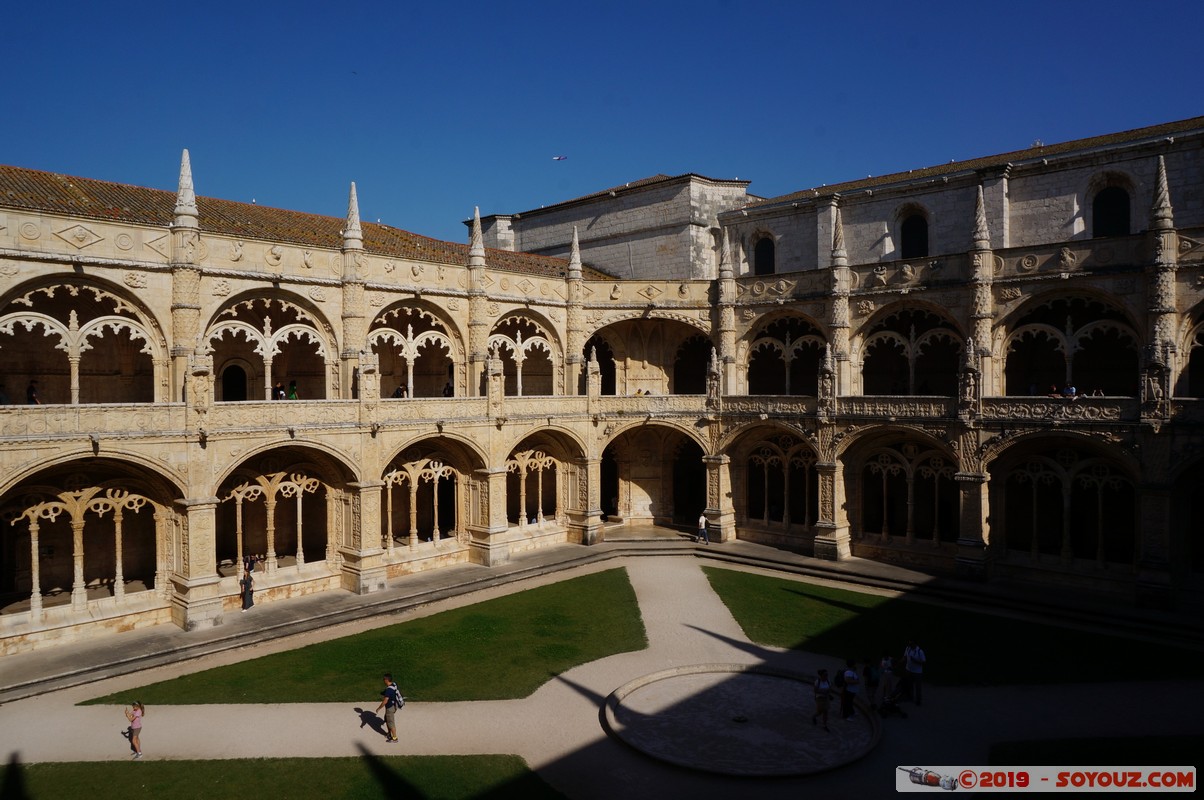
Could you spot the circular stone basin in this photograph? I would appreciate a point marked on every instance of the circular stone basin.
(735, 719)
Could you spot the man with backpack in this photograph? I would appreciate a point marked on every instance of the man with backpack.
(390, 701)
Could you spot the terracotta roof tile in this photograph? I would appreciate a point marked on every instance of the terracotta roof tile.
(48, 192)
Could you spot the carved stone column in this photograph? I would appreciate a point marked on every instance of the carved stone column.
(185, 279)
(842, 280)
(489, 529)
(574, 324)
(478, 316)
(973, 533)
(585, 510)
(354, 333)
(726, 290)
(719, 509)
(982, 312)
(832, 528)
(363, 569)
(196, 600)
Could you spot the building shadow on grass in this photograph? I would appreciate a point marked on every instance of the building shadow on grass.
(392, 785)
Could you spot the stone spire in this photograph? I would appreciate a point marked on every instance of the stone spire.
(839, 255)
(1161, 216)
(725, 258)
(353, 234)
(574, 256)
(982, 234)
(476, 241)
(185, 211)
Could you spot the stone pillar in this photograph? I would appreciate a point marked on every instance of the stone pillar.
(575, 323)
(839, 321)
(354, 333)
(1154, 585)
(832, 527)
(973, 534)
(489, 545)
(363, 568)
(478, 316)
(982, 270)
(196, 600)
(585, 511)
(719, 510)
(185, 279)
(726, 292)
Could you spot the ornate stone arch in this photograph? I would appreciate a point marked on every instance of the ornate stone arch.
(1067, 337)
(77, 312)
(410, 333)
(933, 352)
(515, 349)
(268, 325)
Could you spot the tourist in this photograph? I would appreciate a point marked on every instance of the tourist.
(31, 394)
(823, 697)
(390, 701)
(135, 715)
(702, 529)
(914, 657)
(278, 391)
(848, 693)
(292, 391)
(448, 389)
(247, 590)
(886, 675)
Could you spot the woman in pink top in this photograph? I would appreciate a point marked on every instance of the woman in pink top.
(135, 715)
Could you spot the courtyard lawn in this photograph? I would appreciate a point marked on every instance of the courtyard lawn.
(963, 647)
(499, 649)
(480, 777)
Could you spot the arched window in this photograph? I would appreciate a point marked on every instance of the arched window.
(913, 237)
(763, 256)
(1110, 212)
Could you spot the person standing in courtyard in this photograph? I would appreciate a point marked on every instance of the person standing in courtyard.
(135, 714)
(247, 588)
(848, 694)
(702, 529)
(823, 698)
(390, 701)
(915, 658)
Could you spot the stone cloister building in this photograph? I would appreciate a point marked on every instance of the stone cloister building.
(873, 369)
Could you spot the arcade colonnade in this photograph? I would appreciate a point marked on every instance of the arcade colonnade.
(458, 404)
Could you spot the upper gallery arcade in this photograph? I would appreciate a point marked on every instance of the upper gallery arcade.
(880, 369)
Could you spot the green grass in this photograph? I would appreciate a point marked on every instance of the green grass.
(963, 647)
(484, 777)
(1124, 751)
(500, 649)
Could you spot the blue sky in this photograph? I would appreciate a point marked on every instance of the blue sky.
(433, 108)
